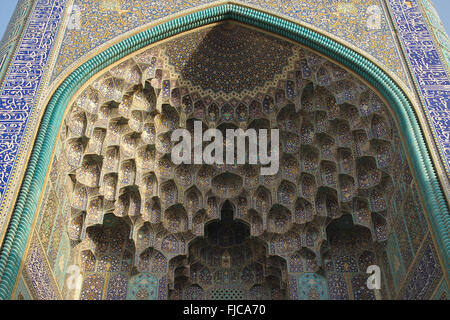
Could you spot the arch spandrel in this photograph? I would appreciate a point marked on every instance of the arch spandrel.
(366, 28)
(326, 200)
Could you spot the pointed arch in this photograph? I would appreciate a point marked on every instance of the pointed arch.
(421, 162)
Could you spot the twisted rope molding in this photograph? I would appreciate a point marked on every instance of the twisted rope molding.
(22, 218)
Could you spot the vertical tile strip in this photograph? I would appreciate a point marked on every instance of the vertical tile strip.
(20, 89)
(428, 69)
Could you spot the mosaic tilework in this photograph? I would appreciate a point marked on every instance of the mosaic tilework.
(349, 20)
(162, 290)
(409, 225)
(415, 270)
(233, 54)
(337, 287)
(19, 91)
(443, 292)
(117, 287)
(428, 69)
(143, 287)
(13, 33)
(38, 276)
(346, 130)
(312, 287)
(50, 233)
(92, 287)
(427, 273)
(228, 264)
(395, 260)
(62, 260)
(293, 287)
(14, 130)
(443, 41)
(22, 292)
(114, 293)
(178, 200)
(327, 117)
(349, 253)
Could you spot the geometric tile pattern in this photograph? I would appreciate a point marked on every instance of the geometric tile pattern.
(47, 258)
(312, 287)
(38, 276)
(143, 287)
(349, 20)
(337, 140)
(19, 91)
(210, 49)
(443, 292)
(22, 291)
(13, 33)
(438, 28)
(425, 276)
(429, 70)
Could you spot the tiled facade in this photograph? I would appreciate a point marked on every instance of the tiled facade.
(409, 252)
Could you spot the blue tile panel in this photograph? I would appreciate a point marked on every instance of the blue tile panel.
(429, 70)
(21, 86)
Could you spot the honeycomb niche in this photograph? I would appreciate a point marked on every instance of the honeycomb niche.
(141, 227)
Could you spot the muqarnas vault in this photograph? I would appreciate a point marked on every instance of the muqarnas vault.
(93, 207)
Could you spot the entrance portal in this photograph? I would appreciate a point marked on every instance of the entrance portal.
(224, 231)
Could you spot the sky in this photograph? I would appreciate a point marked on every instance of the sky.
(442, 7)
(6, 12)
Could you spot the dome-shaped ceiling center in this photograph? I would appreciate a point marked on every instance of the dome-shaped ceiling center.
(228, 58)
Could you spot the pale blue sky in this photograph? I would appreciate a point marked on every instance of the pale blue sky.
(6, 12)
(7, 8)
(443, 8)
